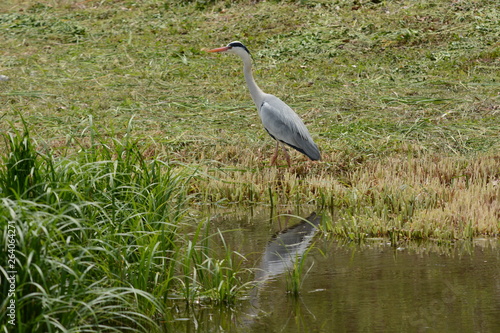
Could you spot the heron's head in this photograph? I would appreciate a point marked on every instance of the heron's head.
(233, 47)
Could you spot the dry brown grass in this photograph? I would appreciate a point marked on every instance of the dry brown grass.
(428, 195)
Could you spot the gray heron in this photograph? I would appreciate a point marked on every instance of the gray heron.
(279, 120)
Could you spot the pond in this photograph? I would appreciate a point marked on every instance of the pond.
(370, 286)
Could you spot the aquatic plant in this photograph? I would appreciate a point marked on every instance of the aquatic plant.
(295, 275)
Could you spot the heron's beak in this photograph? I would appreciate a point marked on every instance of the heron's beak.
(220, 49)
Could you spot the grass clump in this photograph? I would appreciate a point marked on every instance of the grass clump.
(207, 277)
(295, 275)
(21, 171)
(98, 245)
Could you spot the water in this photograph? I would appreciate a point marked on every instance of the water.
(369, 287)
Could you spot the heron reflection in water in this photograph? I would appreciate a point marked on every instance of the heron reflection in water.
(286, 247)
(280, 255)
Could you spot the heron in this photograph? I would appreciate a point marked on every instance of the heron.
(279, 120)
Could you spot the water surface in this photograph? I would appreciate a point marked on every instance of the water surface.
(349, 287)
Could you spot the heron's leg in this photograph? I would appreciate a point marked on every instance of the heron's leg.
(273, 159)
(286, 155)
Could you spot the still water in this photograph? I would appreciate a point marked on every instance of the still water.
(349, 287)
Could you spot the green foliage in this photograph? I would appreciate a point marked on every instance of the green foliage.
(208, 279)
(19, 175)
(98, 245)
(295, 275)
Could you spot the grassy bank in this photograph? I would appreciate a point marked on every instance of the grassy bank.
(127, 123)
(401, 96)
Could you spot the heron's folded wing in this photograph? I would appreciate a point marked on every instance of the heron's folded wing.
(283, 124)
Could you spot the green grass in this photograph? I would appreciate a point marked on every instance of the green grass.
(295, 275)
(99, 245)
(115, 121)
(379, 70)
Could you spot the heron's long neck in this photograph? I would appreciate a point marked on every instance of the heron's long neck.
(257, 94)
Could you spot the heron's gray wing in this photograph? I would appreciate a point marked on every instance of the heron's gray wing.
(283, 124)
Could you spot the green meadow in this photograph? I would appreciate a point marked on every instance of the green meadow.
(115, 124)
